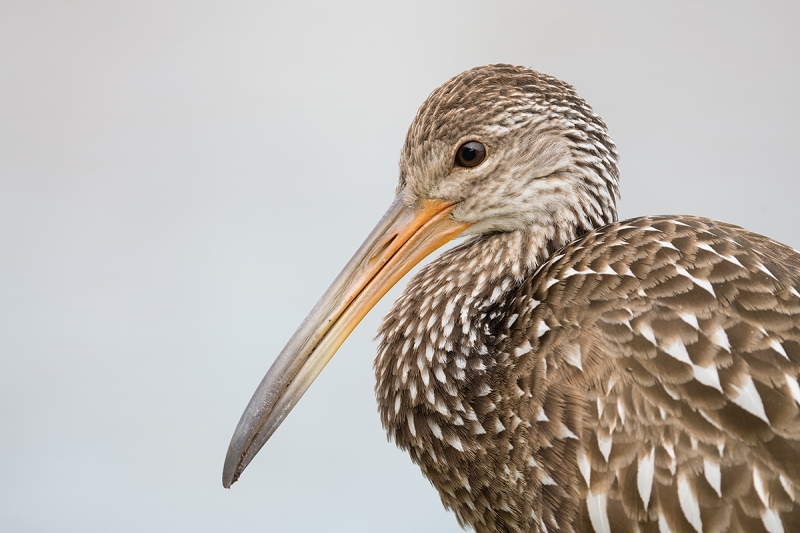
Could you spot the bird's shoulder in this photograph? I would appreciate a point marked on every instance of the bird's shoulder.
(669, 349)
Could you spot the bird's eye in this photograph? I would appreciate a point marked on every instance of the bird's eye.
(470, 154)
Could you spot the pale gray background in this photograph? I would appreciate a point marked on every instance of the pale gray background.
(180, 180)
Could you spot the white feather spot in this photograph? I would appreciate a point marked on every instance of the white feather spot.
(604, 445)
(448, 309)
(793, 387)
(572, 355)
(496, 294)
(678, 351)
(426, 378)
(411, 427)
(429, 352)
(710, 420)
(707, 375)
(748, 399)
(647, 332)
(671, 452)
(441, 407)
(447, 328)
(644, 476)
(708, 248)
(542, 329)
(523, 349)
(547, 480)
(430, 395)
(672, 393)
(621, 410)
(689, 505)
(690, 319)
(765, 270)
(778, 347)
(565, 433)
(596, 505)
(431, 320)
(437, 431)
(455, 442)
(713, 476)
(760, 484)
(479, 284)
(663, 527)
(584, 466)
(397, 401)
(787, 486)
(608, 270)
(439, 373)
(704, 283)
(769, 517)
(627, 272)
(772, 521)
(720, 338)
(498, 426)
(732, 259)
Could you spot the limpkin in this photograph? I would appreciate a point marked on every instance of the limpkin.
(560, 370)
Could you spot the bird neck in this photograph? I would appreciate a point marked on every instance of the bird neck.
(441, 353)
(436, 339)
(488, 259)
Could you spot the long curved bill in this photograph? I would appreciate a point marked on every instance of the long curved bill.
(402, 238)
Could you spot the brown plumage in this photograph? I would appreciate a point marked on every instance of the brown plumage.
(559, 370)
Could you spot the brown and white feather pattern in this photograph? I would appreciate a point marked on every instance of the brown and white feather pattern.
(534, 126)
(643, 378)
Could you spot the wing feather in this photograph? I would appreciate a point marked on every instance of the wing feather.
(676, 344)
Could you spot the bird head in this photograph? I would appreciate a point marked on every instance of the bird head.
(514, 150)
(496, 149)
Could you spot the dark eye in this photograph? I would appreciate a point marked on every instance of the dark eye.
(470, 154)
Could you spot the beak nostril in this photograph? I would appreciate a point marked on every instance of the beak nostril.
(383, 247)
